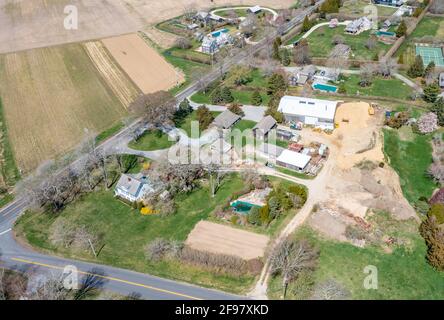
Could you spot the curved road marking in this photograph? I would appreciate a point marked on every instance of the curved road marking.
(108, 278)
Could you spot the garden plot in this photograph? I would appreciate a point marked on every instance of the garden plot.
(220, 239)
(146, 68)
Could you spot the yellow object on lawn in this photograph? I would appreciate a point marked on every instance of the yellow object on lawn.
(146, 211)
(146, 165)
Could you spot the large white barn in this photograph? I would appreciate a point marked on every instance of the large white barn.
(315, 112)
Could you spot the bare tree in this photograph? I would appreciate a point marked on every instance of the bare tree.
(301, 53)
(367, 73)
(189, 11)
(330, 290)
(437, 7)
(387, 67)
(157, 108)
(50, 287)
(91, 284)
(215, 176)
(182, 43)
(289, 258)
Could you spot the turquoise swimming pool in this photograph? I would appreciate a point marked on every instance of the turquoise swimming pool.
(385, 33)
(218, 32)
(242, 207)
(324, 87)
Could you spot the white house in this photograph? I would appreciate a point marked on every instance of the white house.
(315, 112)
(359, 25)
(254, 10)
(209, 45)
(293, 160)
(133, 187)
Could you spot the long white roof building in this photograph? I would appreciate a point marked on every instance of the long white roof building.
(309, 111)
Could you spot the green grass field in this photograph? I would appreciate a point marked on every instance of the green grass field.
(402, 274)
(320, 43)
(125, 233)
(152, 140)
(381, 87)
(189, 68)
(410, 159)
(241, 94)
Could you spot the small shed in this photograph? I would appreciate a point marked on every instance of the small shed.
(441, 79)
(293, 160)
(226, 120)
(263, 127)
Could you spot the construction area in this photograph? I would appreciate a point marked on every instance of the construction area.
(221, 239)
(358, 178)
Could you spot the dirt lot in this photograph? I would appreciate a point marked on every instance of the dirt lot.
(26, 24)
(217, 238)
(357, 183)
(144, 65)
(50, 96)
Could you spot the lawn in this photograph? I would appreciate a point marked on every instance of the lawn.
(189, 68)
(50, 96)
(241, 94)
(410, 159)
(320, 43)
(185, 124)
(402, 274)
(104, 135)
(294, 173)
(152, 140)
(356, 8)
(381, 87)
(243, 126)
(125, 233)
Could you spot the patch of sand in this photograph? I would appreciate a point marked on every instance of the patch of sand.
(217, 238)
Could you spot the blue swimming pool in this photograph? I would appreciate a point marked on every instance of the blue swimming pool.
(242, 207)
(324, 87)
(385, 33)
(218, 32)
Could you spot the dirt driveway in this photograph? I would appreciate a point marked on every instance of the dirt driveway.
(26, 24)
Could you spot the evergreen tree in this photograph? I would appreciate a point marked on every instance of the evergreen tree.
(276, 83)
(416, 68)
(286, 60)
(236, 109)
(256, 98)
(433, 235)
(254, 216)
(216, 96)
(226, 95)
(402, 29)
(204, 117)
(438, 109)
(342, 89)
(306, 25)
(429, 69)
(431, 92)
(276, 54)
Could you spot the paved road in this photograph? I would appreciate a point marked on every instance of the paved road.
(14, 255)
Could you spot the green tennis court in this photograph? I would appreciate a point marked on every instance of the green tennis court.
(429, 54)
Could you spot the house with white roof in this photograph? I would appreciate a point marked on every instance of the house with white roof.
(133, 188)
(314, 112)
(209, 45)
(254, 10)
(359, 25)
(293, 160)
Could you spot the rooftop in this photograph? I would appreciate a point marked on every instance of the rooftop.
(294, 158)
(226, 119)
(266, 124)
(309, 107)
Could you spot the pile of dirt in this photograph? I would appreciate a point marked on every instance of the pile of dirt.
(360, 181)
